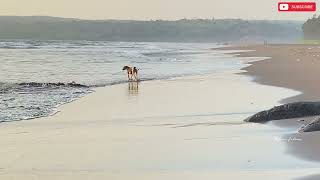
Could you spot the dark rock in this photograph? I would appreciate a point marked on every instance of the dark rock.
(287, 111)
(312, 126)
(36, 84)
(73, 84)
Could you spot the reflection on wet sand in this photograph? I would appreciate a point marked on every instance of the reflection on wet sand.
(133, 88)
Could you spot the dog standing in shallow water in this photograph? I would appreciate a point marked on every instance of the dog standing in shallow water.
(132, 72)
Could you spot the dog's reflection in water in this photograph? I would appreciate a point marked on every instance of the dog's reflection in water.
(133, 88)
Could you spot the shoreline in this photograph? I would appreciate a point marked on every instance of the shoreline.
(296, 67)
(105, 134)
(292, 66)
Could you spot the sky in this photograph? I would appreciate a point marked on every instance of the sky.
(151, 9)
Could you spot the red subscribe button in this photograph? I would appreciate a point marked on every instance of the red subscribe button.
(297, 6)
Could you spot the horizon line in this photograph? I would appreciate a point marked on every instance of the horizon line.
(212, 18)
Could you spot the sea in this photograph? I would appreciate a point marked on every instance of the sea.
(38, 76)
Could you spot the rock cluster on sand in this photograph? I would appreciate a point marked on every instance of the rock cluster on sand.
(291, 110)
(287, 111)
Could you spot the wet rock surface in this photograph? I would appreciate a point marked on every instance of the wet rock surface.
(287, 111)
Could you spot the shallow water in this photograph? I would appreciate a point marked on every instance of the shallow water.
(92, 64)
(172, 127)
(185, 127)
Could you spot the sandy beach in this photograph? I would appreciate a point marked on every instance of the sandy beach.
(159, 90)
(166, 129)
(190, 127)
(294, 66)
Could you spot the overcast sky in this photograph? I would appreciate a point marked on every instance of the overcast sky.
(150, 9)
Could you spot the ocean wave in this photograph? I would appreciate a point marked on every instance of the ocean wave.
(172, 53)
(5, 87)
(18, 47)
(33, 81)
(33, 87)
(29, 100)
(34, 44)
(36, 84)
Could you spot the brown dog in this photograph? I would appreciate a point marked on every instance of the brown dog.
(132, 72)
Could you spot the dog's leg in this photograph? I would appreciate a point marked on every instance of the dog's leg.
(133, 76)
(136, 76)
(128, 77)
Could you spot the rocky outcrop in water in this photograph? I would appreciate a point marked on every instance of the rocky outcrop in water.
(287, 111)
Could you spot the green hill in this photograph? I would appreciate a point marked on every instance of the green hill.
(311, 29)
(199, 30)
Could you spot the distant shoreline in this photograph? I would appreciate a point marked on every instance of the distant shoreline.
(184, 30)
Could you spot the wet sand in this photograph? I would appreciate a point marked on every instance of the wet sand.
(184, 128)
(296, 67)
